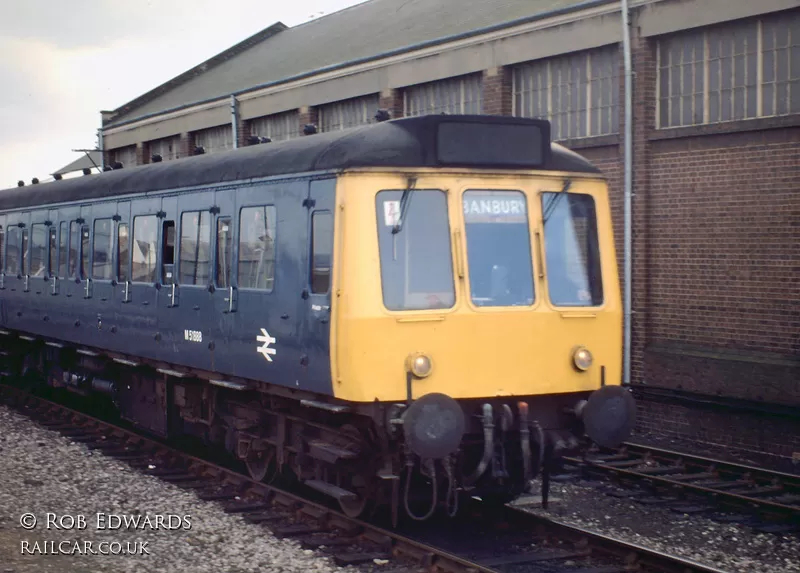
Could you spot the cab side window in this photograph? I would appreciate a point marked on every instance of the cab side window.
(321, 251)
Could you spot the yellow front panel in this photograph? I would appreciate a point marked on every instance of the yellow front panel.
(476, 351)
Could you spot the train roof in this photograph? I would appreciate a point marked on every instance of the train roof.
(429, 141)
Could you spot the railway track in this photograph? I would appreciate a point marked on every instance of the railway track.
(484, 541)
(768, 501)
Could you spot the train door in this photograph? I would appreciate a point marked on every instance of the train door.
(62, 284)
(196, 325)
(100, 274)
(167, 298)
(271, 227)
(17, 278)
(224, 300)
(34, 283)
(120, 282)
(317, 295)
(138, 320)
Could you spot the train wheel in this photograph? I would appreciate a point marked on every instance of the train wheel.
(361, 483)
(262, 465)
(364, 503)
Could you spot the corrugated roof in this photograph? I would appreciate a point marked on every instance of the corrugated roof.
(359, 32)
(81, 163)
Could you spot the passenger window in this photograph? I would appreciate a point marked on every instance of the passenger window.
(63, 250)
(52, 267)
(38, 250)
(321, 251)
(23, 253)
(195, 248)
(168, 252)
(85, 251)
(257, 248)
(103, 247)
(224, 252)
(145, 249)
(12, 257)
(122, 252)
(74, 248)
(498, 248)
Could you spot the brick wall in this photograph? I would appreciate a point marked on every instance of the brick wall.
(308, 116)
(392, 101)
(497, 85)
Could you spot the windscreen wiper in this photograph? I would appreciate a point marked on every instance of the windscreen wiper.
(552, 204)
(405, 201)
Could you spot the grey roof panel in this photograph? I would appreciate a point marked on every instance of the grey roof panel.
(358, 32)
(81, 163)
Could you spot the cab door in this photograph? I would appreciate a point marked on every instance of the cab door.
(317, 295)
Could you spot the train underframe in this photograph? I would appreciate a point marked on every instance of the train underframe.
(415, 458)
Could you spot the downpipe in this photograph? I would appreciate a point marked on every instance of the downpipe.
(627, 228)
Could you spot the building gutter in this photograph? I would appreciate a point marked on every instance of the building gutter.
(588, 4)
(628, 185)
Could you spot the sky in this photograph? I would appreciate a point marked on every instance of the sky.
(61, 62)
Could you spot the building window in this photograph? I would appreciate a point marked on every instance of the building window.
(167, 148)
(214, 139)
(731, 72)
(38, 250)
(462, 95)
(125, 155)
(195, 248)
(277, 127)
(145, 249)
(348, 113)
(257, 247)
(578, 93)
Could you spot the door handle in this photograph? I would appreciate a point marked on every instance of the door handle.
(87, 289)
(126, 297)
(229, 300)
(26, 288)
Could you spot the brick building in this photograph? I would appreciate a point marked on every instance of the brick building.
(716, 242)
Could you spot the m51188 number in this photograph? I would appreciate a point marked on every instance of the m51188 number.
(193, 335)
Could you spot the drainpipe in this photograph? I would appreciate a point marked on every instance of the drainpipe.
(235, 120)
(100, 144)
(626, 45)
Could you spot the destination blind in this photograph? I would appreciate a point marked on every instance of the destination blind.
(495, 207)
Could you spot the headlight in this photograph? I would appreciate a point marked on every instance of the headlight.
(420, 365)
(582, 358)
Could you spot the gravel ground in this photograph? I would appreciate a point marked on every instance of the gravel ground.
(42, 472)
(729, 547)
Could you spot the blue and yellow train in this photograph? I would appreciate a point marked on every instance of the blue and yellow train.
(404, 313)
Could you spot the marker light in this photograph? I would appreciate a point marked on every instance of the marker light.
(420, 365)
(582, 358)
